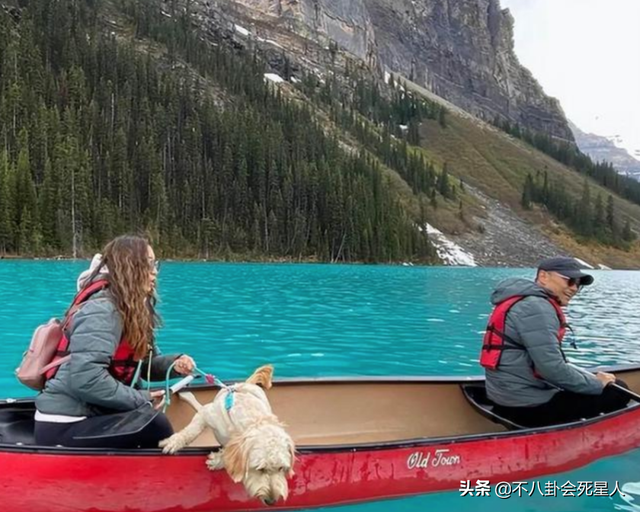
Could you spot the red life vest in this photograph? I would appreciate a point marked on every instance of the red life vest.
(123, 363)
(493, 343)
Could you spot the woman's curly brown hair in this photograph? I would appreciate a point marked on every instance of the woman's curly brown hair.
(127, 260)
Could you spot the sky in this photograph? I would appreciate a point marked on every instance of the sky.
(586, 53)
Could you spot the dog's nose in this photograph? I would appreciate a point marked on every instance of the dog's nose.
(268, 501)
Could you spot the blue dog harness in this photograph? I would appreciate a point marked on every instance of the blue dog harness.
(229, 400)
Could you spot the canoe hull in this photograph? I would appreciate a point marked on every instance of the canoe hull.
(152, 482)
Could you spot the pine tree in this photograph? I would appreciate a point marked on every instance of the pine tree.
(545, 188)
(99, 139)
(433, 200)
(48, 208)
(527, 193)
(413, 133)
(443, 185)
(28, 229)
(583, 215)
(599, 217)
(611, 220)
(627, 234)
(442, 117)
(6, 205)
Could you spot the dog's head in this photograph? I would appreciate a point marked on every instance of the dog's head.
(262, 459)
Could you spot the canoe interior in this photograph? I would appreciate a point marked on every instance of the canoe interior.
(333, 413)
(319, 414)
(338, 413)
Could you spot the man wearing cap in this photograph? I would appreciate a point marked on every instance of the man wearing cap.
(527, 375)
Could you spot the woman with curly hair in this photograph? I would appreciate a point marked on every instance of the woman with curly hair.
(111, 340)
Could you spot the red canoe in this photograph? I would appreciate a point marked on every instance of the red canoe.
(358, 440)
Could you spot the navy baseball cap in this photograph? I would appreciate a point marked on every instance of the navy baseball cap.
(568, 267)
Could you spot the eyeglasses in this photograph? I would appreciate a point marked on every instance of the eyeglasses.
(571, 281)
(154, 265)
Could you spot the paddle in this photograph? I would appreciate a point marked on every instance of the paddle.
(635, 396)
(121, 424)
(129, 422)
(632, 394)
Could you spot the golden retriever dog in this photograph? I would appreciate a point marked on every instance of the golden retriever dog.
(255, 448)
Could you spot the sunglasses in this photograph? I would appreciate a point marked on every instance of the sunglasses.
(571, 281)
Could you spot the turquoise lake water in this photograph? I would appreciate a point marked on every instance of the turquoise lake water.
(320, 320)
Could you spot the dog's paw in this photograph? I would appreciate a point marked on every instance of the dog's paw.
(214, 461)
(171, 444)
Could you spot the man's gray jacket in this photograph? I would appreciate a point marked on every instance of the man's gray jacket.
(532, 326)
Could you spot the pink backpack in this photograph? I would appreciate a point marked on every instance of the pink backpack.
(42, 355)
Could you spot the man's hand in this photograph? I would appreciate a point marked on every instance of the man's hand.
(184, 365)
(605, 378)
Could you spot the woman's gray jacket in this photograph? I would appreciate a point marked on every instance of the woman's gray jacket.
(83, 385)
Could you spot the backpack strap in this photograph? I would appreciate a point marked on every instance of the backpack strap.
(81, 297)
(89, 290)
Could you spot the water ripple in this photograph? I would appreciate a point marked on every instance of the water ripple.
(357, 320)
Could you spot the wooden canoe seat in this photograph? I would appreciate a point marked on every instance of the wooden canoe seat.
(476, 394)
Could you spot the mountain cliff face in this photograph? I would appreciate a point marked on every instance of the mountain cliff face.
(462, 50)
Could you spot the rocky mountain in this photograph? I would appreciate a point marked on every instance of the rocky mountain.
(275, 135)
(461, 50)
(603, 149)
(317, 53)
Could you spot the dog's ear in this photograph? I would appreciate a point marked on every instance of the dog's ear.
(262, 377)
(292, 454)
(235, 460)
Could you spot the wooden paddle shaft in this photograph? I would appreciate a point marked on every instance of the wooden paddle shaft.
(628, 392)
(632, 394)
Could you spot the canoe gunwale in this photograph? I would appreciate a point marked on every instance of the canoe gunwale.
(326, 474)
(328, 449)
